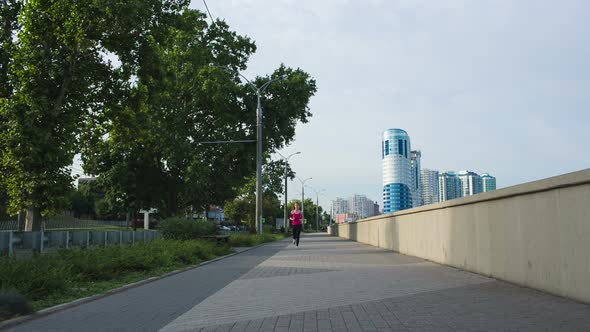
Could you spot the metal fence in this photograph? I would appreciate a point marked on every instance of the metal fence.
(13, 242)
(54, 224)
(8, 225)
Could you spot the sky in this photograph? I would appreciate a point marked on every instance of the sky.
(501, 87)
(498, 86)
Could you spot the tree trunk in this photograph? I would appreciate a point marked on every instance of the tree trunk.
(128, 218)
(173, 202)
(21, 220)
(33, 219)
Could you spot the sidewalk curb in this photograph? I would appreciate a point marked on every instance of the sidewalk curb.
(61, 307)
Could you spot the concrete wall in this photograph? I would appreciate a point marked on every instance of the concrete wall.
(536, 234)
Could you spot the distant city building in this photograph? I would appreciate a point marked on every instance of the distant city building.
(449, 186)
(376, 210)
(397, 170)
(361, 206)
(416, 178)
(339, 206)
(357, 205)
(488, 182)
(214, 213)
(470, 183)
(464, 183)
(429, 186)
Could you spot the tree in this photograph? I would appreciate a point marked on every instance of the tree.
(8, 27)
(151, 155)
(53, 71)
(326, 219)
(242, 208)
(137, 123)
(57, 75)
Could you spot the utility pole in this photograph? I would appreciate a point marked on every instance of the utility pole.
(285, 222)
(303, 197)
(259, 91)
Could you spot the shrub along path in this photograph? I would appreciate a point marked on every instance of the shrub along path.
(151, 306)
(70, 274)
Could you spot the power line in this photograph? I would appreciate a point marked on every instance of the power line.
(210, 16)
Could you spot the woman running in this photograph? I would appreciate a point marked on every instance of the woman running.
(297, 222)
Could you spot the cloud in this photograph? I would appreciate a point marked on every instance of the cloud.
(490, 86)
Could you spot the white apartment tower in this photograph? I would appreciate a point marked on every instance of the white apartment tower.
(429, 186)
(416, 178)
(471, 183)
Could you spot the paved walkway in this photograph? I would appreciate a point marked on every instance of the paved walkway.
(326, 284)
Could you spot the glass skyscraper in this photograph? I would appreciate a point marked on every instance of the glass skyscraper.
(397, 170)
(488, 182)
(449, 186)
(464, 183)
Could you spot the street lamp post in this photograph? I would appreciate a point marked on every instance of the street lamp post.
(258, 91)
(286, 225)
(303, 197)
(317, 207)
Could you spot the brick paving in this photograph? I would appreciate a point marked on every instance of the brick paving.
(329, 284)
(326, 284)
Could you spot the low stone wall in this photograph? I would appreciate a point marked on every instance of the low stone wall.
(536, 234)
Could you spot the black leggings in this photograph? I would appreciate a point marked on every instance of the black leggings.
(297, 233)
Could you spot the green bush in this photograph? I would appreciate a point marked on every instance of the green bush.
(58, 273)
(250, 240)
(177, 228)
(36, 277)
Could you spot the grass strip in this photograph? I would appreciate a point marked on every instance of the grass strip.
(250, 240)
(66, 275)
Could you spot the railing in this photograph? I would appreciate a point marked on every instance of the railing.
(8, 225)
(28, 242)
(55, 224)
(222, 232)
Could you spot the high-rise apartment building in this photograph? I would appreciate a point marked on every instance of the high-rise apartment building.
(429, 186)
(361, 206)
(339, 206)
(397, 170)
(357, 205)
(464, 183)
(449, 186)
(416, 178)
(488, 182)
(376, 211)
(470, 183)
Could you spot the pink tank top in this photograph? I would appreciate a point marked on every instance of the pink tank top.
(297, 218)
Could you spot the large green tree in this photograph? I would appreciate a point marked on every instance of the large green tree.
(49, 69)
(8, 26)
(58, 75)
(152, 154)
(130, 85)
